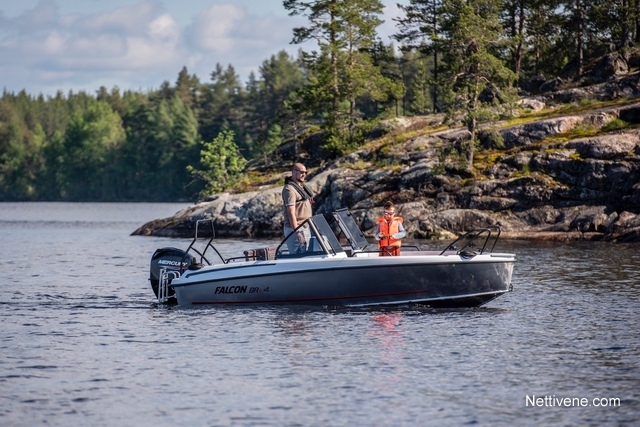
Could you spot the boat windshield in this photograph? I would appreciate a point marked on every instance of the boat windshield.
(312, 237)
(351, 231)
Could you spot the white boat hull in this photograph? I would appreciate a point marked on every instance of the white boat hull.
(319, 271)
(359, 281)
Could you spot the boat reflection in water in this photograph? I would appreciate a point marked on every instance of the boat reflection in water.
(321, 272)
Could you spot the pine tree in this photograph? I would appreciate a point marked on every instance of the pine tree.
(473, 33)
(342, 71)
(420, 29)
(222, 104)
(546, 48)
(421, 96)
(188, 89)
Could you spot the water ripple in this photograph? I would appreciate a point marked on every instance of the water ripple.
(84, 343)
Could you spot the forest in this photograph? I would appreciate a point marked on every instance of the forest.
(194, 137)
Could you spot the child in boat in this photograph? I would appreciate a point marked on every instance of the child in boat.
(389, 232)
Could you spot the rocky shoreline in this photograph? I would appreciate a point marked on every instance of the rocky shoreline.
(547, 180)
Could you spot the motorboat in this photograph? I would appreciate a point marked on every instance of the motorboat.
(330, 263)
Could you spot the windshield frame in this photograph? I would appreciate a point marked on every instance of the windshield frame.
(322, 240)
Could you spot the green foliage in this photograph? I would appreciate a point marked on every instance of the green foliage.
(342, 72)
(222, 105)
(270, 142)
(222, 162)
(15, 157)
(162, 140)
(358, 165)
(615, 124)
(273, 141)
(473, 33)
(491, 138)
(266, 105)
(458, 56)
(422, 97)
(344, 141)
(122, 146)
(85, 154)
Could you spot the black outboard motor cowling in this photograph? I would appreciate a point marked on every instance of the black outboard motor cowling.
(170, 260)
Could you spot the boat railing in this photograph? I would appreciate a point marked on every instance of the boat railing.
(354, 252)
(475, 242)
(202, 253)
(468, 245)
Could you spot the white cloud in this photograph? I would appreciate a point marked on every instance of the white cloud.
(211, 31)
(230, 35)
(138, 43)
(131, 20)
(230, 30)
(54, 43)
(43, 16)
(126, 44)
(165, 29)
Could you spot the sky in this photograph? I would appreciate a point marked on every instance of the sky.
(81, 45)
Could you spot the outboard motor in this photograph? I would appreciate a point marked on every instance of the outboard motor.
(168, 259)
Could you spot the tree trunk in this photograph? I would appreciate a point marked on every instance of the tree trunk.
(435, 61)
(334, 68)
(435, 80)
(518, 54)
(472, 142)
(637, 21)
(625, 37)
(472, 125)
(580, 38)
(537, 42)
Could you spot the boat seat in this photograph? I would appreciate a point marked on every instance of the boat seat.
(260, 254)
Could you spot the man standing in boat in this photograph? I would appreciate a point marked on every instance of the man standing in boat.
(297, 200)
(389, 232)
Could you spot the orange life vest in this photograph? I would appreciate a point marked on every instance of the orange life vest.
(389, 229)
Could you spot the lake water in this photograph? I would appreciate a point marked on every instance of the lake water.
(83, 343)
